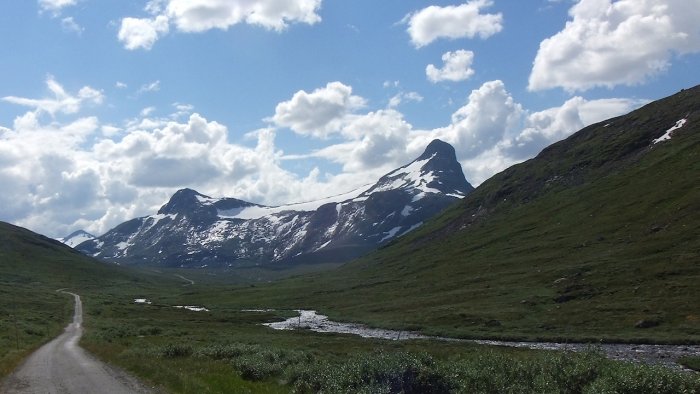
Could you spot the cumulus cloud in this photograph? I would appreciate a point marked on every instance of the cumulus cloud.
(77, 172)
(62, 102)
(457, 67)
(202, 15)
(451, 22)
(320, 112)
(490, 132)
(490, 113)
(142, 33)
(610, 43)
(540, 129)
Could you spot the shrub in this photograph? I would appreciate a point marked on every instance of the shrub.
(174, 351)
(375, 373)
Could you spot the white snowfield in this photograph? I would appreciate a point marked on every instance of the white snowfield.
(259, 211)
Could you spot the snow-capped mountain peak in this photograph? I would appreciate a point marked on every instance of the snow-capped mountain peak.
(435, 171)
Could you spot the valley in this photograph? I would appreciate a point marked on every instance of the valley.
(594, 241)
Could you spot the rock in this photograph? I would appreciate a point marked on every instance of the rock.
(647, 323)
(493, 323)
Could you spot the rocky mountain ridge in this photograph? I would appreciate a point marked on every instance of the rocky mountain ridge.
(195, 230)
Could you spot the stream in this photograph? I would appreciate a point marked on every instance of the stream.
(666, 355)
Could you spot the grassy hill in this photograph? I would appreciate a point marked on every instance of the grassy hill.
(32, 268)
(595, 236)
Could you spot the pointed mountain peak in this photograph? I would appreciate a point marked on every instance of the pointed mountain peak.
(438, 148)
(183, 201)
(435, 171)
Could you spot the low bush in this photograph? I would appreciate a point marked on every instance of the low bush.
(375, 373)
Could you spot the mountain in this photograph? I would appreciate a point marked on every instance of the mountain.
(596, 238)
(195, 230)
(76, 238)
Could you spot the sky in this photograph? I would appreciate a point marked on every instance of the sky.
(109, 107)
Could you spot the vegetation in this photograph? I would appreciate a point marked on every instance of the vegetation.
(690, 362)
(32, 268)
(229, 351)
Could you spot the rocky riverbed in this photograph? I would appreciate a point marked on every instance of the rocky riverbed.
(651, 354)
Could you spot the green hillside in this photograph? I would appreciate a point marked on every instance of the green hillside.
(32, 268)
(596, 235)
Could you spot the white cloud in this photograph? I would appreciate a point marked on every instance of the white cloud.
(142, 33)
(120, 85)
(457, 67)
(465, 20)
(62, 102)
(55, 6)
(320, 112)
(201, 15)
(541, 129)
(610, 43)
(490, 114)
(490, 132)
(401, 97)
(68, 24)
(149, 87)
(60, 175)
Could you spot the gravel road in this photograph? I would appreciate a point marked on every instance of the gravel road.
(61, 366)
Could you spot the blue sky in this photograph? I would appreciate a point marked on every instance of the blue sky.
(107, 108)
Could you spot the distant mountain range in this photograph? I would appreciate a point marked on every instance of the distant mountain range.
(195, 230)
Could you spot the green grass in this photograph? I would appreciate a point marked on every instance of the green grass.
(691, 362)
(226, 350)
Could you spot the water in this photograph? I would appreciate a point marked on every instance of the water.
(649, 354)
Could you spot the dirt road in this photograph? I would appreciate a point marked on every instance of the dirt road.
(61, 366)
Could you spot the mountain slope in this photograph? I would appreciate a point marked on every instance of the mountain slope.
(32, 268)
(194, 230)
(594, 238)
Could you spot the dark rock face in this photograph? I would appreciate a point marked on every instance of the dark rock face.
(194, 230)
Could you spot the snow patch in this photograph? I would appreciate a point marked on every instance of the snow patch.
(142, 301)
(257, 212)
(206, 200)
(323, 246)
(670, 131)
(391, 233)
(415, 226)
(77, 240)
(192, 308)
